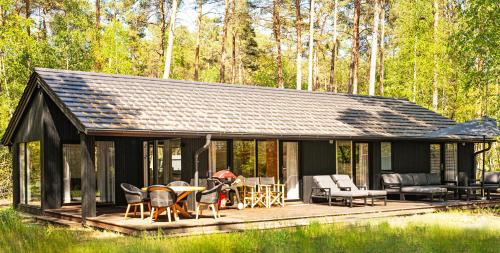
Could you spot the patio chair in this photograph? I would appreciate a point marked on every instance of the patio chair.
(252, 195)
(327, 189)
(162, 198)
(135, 197)
(209, 198)
(183, 202)
(345, 183)
(274, 193)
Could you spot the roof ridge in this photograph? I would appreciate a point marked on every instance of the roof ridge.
(229, 85)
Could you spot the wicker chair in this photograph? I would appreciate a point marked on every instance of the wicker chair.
(162, 198)
(209, 198)
(135, 197)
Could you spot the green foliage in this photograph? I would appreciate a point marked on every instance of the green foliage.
(424, 233)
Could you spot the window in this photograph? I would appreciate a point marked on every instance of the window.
(361, 162)
(30, 173)
(435, 150)
(105, 171)
(450, 162)
(386, 155)
(267, 158)
(72, 173)
(166, 159)
(218, 156)
(344, 158)
(244, 158)
(291, 169)
(175, 173)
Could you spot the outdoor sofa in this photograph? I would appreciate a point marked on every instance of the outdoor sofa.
(344, 182)
(324, 187)
(428, 184)
(491, 182)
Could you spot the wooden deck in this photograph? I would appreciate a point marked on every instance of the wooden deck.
(232, 220)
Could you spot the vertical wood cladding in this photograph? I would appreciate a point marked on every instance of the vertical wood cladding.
(128, 165)
(188, 151)
(410, 156)
(15, 175)
(88, 176)
(317, 158)
(466, 161)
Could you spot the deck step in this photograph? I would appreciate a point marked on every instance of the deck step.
(57, 221)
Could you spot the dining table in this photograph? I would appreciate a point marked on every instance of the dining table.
(182, 192)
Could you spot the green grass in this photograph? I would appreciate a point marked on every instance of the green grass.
(454, 231)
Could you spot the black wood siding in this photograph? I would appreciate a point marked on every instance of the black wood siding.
(408, 157)
(466, 162)
(188, 151)
(30, 127)
(15, 175)
(375, 164)
(317, 158)
(128, 165)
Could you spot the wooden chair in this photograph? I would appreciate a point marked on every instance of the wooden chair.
(252, 195)
(135, 197)
(274, 192)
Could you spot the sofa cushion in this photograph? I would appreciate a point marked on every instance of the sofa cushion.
(420, 179)
(391, 178)
(433, 179)
(407, 179)
(325, 181)
(423, 189)
(492, 177)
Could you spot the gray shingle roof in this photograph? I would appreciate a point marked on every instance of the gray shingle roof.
(130, 103)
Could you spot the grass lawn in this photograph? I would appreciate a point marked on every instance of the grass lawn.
(453, 231)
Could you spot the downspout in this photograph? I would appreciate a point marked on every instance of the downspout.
(197, 160)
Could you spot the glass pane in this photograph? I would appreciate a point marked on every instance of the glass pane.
(244, 158)
(451, 162)
(344, 158)
(267, 158)
(105, 171)
(34, 173)
(71, 173)
(385, 153)
(291, 169)
(162, 163)
(22, 173)
(362, 164)
(218, 156)
(435, 158)
(175, 149)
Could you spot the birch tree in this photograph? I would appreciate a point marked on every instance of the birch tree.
(435, 55)
(311, 47)
(298, 49)
(353, 68)
(374, 47)
(170, 43)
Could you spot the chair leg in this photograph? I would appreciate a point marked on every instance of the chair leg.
(169, 215)
(126, 212)
(142, 211)
(364, 199)
(151, 216)
(372, 201)
(385, 201)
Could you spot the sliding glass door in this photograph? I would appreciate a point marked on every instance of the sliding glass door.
(344, 158)
(361, 164)
(267, 160)
(105, 171)
(244, 158)
(72, 173)
(291, 169)
(162, 161)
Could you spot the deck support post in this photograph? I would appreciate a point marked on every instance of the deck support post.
(88, 176)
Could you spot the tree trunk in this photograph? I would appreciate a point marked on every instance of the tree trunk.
(381, 51)
(277, 38)
(198, 34)
(435, 69)
(353, 73)
(373, 56)
(233, 65)
(224, 39)
(333, 85)
(27, 9)
(162, 28)
(170, 42)
(298, 24)
(311, 47)
(97, 63)
(414, 99)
